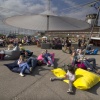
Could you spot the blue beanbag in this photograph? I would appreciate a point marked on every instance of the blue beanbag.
(15, 68)
(92, 53)
(95, 51)
(12, 65)
(18, 69)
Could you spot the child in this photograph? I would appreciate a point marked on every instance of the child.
(23, 65)
(70, 75)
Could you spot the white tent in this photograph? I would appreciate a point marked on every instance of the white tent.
(46, 21)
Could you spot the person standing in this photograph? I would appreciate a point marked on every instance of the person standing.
(79, 43)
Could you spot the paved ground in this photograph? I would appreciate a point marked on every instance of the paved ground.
(38, 86)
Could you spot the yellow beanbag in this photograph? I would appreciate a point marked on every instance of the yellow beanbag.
(84, 79)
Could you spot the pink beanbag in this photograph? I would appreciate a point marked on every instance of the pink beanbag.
(81, 65)
(41, 58)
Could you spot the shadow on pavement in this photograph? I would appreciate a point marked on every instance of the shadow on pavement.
(94, 89)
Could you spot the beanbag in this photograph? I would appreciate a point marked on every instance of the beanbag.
(41, 58)
(12, 65)
(84, 79)
(15, 68)
(18, 69)
(92, 53)
(81, 65)
(95, 51)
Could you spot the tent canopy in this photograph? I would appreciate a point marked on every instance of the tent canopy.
(42, 21)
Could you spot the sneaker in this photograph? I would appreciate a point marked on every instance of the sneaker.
(52, 79)
(47, 64)
(89, 69)
(52, 65)
(31, 69)
(69, 91)
(21, 74)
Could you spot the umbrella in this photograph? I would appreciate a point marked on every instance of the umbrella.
(46, 21)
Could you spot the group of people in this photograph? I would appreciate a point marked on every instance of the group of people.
(76, 57)
(31, 62)
(26, 64)
(13, 39)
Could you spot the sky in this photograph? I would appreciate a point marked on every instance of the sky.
(70, 8)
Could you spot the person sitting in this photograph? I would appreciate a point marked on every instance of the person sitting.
(21, 47)
(23, 65)
(47, 57)
(32, 62)
(90, 50)
(10, 47)
(89, 47)
(26, 53)
(74, 62)
(86, 61)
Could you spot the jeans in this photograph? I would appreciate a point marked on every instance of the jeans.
(32, 62)
(24, 66)
(87, 64)
(70, 85)
(93, 61)
(46, 59)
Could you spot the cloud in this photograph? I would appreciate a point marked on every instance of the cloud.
(17, 7)
(70, 3)
(80, 14)
(77, 11)
(10, 8)
(13, 7)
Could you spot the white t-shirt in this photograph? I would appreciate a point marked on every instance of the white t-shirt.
(70, 76)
